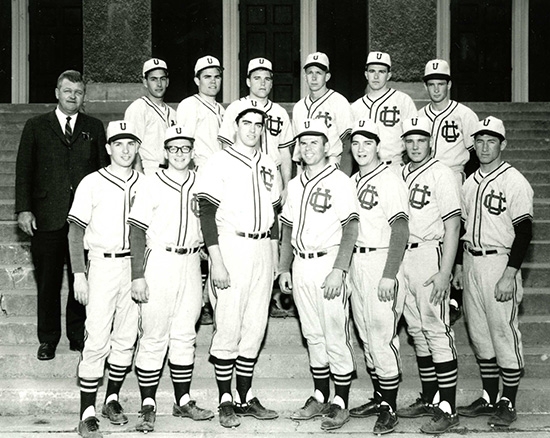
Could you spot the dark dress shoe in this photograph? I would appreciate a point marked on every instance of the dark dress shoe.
(46, 351)
(76, 345)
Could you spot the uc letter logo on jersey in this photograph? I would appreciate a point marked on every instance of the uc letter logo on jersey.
(419, 197)
(368, 197)
(267, 177)
(274, 127)
(320, 200)
(495, 204)
(450, 132)
(390, 117)
(195, 205)
(327, 118)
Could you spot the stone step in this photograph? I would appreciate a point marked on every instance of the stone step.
(535, 275)
(536, 177)
(61, 396)
(527, 166)
(515, 153)
(541, 190)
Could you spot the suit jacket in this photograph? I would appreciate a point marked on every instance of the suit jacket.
(49, 168)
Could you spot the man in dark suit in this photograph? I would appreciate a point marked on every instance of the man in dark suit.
(56, 151)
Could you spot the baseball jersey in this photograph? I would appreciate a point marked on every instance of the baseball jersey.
(381, 200)
(243, 188)
(493, 204)
(387, 111)
(434, 197)
(278, 130)
(203, 119)
(335, 110)
(150, 121)
(452, 131)
(101, 205)
(318, 208)
(168, 211)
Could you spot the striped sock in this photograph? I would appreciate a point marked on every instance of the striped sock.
(342, 385)
(148, 383)
(88, 393)
(117, 374)
(388, 390)
(244, 371)
(428, 377)
(374, 380)
(224, 374)
(181, 379)
(510, 383)
(447, 373)
(490, 377)
(321, 381)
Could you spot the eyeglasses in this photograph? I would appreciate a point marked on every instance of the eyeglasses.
(176, 149)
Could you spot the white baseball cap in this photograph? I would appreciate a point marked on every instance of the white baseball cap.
(312, 127)
(417, 125)
(178, 131)
(319, 59)
(259, 63)
(121, 129)
(247, 106)
(492, 126)
(367, 128)
(207, 62)
(153, 64)
(437, 69)
(378, 58)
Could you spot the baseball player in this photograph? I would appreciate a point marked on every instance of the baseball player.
(497, 216)
(166, 279)
(386, 107)
(434, 208)
(151, 116)
(238, 199)
(375, 277)
(452, 143)
(278, 135)
(327, 105)
(97, 223)
(320, 224)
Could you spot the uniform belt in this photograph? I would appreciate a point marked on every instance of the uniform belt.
(387, 162)
(363, 249)
(478, 252)
(254, 236)
(116, 255)
(417, 244)
(310, 255)
(179, 250)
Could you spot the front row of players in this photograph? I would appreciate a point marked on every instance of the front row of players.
(386, 246)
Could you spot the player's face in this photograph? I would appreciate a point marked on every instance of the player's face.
(250, 128)
(123, 152)
(313, 149)
(418, 148)
(377, 76)
(179, 153)
(316, 78)
(70, 96)
(156, 83)
(260, 83)
(438, 89)
(489, 149)
(209, 81)
(364, 150)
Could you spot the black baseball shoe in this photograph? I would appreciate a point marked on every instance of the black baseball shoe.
(441, 422)
(477, 408)
(146, 419)
(114, 412)
(504, 416)
(420, 408)
(372, 407)
(191, 410)
(226, 412)
(312, 408)
(386, 422)
(89, 428)
(335, 418)
(255, 409)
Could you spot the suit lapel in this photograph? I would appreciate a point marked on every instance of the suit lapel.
(77, 127)
(54, 123)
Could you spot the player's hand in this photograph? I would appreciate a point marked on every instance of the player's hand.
(441, 287)
(506, 286)
(275, 257)
(203, 255)
(386, 289)
(458, 277)
(140, 290)
(81, 289)
(220, 276)
(27, 222)
(285, 282)
(333, 284)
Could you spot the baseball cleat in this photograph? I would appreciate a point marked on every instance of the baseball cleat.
(335, 418)
(146, 419)
(372, 407)
(191, 410)
(89, 428)
(441, 422)
(114, 412)
(386, 421)
(504, 415)
(420, 408)
(227, 415)
(312, 408)
(253, 408)
(477, 408)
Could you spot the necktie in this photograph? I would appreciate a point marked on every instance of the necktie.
(68, 130)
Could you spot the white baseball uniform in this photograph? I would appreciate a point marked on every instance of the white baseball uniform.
(493, 204)
(203, 119)
(387, 111)
(101, 205)
(434, 197)
(317, 209)
(381, 200)
(150, 121)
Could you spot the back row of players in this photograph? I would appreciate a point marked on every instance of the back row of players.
(384, 239)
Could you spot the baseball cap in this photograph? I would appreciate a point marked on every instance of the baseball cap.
(319, 59)
(312, 127)
(492, 126)
(417, 125)
(153, 64)
(178, 131)
(121, 129)
(207, 62)
(437, 69)
(249, 106)
(366, 128)
(259, 63)
(378, 58)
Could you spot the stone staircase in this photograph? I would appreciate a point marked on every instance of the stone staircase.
(282, 380)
